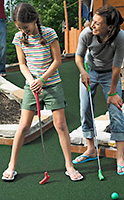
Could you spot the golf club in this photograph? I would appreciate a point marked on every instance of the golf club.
(46, 178)
(94, 127)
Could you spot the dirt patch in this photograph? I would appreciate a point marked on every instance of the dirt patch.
(9, 110)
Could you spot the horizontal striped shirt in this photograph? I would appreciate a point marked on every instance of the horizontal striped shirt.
(38, 57)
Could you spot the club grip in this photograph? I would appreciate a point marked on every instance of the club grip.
(86, 68)
(38, 103)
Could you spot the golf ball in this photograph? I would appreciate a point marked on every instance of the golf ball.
(114, 195)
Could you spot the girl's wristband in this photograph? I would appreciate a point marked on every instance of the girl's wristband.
(42, 80)
(109, 95)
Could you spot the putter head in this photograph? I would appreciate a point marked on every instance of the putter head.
(45, 179)
(101, 177)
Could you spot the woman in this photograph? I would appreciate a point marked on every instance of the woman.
(105, 43)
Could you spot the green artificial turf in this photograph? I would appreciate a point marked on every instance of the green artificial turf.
(59, 187)
(16, 78)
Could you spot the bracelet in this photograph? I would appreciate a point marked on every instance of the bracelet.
(42, 80)
(112, 94)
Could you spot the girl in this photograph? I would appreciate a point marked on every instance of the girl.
(39, 58)
(105, 42)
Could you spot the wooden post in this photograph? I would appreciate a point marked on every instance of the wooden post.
(67, 29)
(80, 21)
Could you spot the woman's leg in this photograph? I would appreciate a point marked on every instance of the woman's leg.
(117, 133)
(120, 156)
(117, 122)
(63, 133)
(90, 152)
(23, 128)
(86, 117)
(3, 31)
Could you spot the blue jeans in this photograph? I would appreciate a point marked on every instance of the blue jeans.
(3, 31)
(116, 116)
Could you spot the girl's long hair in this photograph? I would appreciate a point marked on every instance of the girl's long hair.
(26, 13)
(113, 19)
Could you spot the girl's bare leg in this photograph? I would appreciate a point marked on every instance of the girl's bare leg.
(23, 128)
(63, 133)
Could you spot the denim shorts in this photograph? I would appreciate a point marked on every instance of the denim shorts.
(52, 98)
(116, 116)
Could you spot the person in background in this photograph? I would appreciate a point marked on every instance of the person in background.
(102, 46)
(3, 32)
(39, 58)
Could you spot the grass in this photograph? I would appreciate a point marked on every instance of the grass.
(30, 161)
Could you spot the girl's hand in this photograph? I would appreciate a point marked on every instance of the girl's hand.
(86, 79)
(116, 100)
(36, 85)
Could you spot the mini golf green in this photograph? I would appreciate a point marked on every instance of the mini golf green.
(30, 161)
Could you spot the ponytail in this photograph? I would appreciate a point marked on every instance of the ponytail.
(24, 39)
(42, 39)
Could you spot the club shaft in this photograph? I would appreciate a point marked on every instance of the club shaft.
(43, 147)
(94, 128)
(42, 140)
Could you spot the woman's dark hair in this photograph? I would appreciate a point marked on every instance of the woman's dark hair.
(112, 18)
(26, 13)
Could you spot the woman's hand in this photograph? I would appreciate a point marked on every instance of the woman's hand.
(116, 100)
(85, 79)
(36, 85)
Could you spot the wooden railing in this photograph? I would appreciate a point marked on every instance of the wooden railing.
(72, 36)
